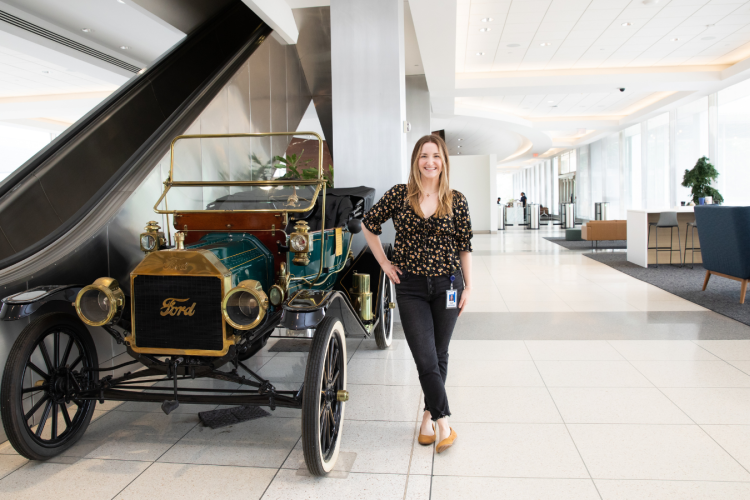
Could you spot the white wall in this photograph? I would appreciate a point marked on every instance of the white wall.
(474, 176)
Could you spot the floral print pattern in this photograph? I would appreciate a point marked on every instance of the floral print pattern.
(427, 247)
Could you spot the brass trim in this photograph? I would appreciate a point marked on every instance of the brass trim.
(281, 290)
(255, 289)
(109, 287)
(187, 263)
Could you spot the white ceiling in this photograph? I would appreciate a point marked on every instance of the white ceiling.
(47, 83)
(590, 33)
(559, 64)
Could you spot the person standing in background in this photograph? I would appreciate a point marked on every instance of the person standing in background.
(523, 199)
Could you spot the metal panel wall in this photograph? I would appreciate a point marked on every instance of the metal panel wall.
(246, 104)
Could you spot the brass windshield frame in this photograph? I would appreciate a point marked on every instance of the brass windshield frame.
(319, 183)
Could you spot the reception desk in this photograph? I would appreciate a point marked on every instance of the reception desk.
(638, 233)
(515, 215)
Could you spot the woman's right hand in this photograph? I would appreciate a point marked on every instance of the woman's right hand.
(391, 271)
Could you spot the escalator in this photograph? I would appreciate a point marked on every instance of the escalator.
(85, 174)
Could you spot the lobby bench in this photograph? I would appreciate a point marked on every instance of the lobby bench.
(604, 230)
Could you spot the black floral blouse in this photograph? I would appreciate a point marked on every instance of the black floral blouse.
(428, 247)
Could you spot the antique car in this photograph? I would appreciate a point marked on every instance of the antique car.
(252, 259)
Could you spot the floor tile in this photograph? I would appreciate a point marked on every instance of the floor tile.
(284, 369)
(10, 463)
(511, 450)
(487, 373)
(539, 306)
(666, 452)
(368, 349)
(713, 405)
(572, 350)
(418, 487)
(489, 350)
(380, 402)
(382, 372)
(287, 484)
(90, 479)
(671, 490)
(616, 406)
(692, 374)
(727, 349)
(654, 350)
(473, 488)
(591, 374)
(422, 456)
(735, 439)
(131, 436)
(201, 481)
(265, 442)
(502, 404)
(665, 305)
(381, 447)
(496, 306)
(600, 306)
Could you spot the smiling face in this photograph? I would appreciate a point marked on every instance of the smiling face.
(430, 162)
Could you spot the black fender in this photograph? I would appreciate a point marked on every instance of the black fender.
(307, 308)
(24, 304)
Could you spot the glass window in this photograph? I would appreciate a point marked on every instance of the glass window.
(657, 167)
(565, 163)
(572, 161)
(583, 184)
(633, 189)
(691, 142)
(734, 144)
(18, 145)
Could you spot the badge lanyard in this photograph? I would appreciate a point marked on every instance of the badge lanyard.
(451, 295)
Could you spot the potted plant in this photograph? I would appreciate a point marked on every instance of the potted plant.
(699, 179)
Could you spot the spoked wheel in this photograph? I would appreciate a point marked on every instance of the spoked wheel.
(384, 329)
(324, 397)
(44, 367)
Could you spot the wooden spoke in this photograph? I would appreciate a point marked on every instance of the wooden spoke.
(35, 388)
(39, 371)
(66, 417)
(36, 407)
(40, 427)
(56, 348)
(54, 420)
(75, 362)
(45, 355)
(67, 351)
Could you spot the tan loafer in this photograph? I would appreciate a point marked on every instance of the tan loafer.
(447, 442)
(426, 440)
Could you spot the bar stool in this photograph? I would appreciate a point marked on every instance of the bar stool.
(691, 227)
(666, 219)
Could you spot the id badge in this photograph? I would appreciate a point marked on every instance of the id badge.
(451, 299)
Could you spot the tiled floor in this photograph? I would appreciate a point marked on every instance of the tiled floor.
(563, 385)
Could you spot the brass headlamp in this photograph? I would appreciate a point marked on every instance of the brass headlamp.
(98, 303)
(277, 292)
(299, 243)
(152, 239)
(245, 305)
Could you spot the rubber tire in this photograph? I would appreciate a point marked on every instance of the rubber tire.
(383, 331)
(12, 414)
(311, 449)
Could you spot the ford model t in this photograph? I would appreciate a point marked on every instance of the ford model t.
(266, 255)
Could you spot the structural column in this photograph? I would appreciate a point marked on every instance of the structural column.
(368, 87)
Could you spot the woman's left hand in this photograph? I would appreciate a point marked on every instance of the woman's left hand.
(465, 295)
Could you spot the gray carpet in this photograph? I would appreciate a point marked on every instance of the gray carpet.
(722, 295)
(586, 245)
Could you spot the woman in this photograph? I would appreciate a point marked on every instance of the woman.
(431, 269)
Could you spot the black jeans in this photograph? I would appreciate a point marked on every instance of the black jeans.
(428, 327)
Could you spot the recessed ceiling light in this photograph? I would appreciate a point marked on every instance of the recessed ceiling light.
(45, 72)
(487, 20)
(708, 38)
(86, 30)
(626, 24)
(675, 40)
(124, 47)
(710, 25)
(482, 30)
(545, 44)
(458, 153)
(550, 102)
(460, 146)
(514, 45)
(480, 53)
(460, 139)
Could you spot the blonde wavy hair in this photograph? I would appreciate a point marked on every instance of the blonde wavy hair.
(414, 186)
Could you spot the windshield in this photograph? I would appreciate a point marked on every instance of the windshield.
(243, 172)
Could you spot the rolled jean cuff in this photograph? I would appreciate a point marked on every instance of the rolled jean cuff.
(432, 416)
